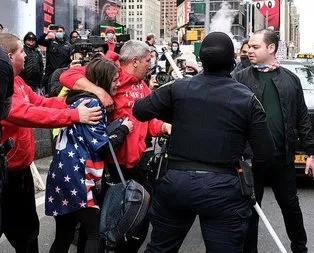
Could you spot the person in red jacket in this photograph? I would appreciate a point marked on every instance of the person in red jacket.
(110, 38)
(28, 110)
(135, 64)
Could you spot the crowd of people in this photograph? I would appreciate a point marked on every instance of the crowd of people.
(254, 109)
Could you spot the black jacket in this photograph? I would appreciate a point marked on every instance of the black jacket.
(6, 84)
(33, 67)
(212, 117)
(54, 82)
(297, 123)
(58, 53)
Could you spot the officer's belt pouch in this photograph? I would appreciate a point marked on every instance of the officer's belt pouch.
(245, 178)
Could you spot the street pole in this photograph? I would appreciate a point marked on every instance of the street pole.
(165, 20)
(207, 16)
(247, 19)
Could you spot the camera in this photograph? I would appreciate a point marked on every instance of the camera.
(86, 47)
(162, 78)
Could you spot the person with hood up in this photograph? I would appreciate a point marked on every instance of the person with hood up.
(58, 52)
(110, 38)
(175, 53)
(34, 66)
(204, 150)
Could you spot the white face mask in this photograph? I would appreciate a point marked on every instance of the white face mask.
(174, 49)
(152, 63)
(110, 36)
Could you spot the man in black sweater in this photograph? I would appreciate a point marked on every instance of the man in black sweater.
(212, 117)
(281, 94)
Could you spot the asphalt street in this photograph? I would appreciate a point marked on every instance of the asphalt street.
(193, 242)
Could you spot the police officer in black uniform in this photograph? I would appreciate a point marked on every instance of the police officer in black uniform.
(58, 52)
(212, 117)
(6, 93)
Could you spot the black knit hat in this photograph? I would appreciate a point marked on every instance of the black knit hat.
(217, 53)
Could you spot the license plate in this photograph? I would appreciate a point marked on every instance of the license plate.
(300, 159)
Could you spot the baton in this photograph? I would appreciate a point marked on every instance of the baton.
(247, 178)
(269, 228)
(172, 63)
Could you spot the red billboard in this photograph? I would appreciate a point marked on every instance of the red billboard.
(49, 12)
(270, 9)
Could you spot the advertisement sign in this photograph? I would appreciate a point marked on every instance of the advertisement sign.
(49, 13)
(109, 11)
(270, 9)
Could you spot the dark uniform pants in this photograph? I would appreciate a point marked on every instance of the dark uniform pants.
(283, 181)
(20, 220)
(215, 197)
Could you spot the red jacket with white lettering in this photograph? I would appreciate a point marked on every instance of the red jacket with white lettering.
(29, 110)
(130, 90)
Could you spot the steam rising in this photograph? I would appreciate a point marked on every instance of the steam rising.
(223, 20)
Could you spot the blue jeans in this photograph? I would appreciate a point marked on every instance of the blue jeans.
(215, 197)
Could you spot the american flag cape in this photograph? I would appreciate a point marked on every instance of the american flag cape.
(76, 166)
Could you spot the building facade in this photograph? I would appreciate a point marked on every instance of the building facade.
(141, 17)
(168, 19)
(294, 31)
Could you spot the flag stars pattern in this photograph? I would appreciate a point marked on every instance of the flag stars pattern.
(50, 199)
(65, 202)
(69, 183)
(57, 189)
(76, 167)
(82, 204)
(73, 192)
(82, 160)
(67, 178)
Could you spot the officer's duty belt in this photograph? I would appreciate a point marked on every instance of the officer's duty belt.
(196, 166)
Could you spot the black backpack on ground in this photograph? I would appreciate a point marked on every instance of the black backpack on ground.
(124, 208)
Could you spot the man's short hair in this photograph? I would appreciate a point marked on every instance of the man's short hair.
(133, 49)
(270, 37)
(9, 41)
(150, 36)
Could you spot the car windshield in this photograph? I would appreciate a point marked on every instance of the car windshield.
(305, 73)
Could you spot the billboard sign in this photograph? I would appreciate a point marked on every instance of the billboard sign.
(270, 9)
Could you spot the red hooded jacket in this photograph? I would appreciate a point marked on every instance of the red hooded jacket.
(130, 90)
(29, 110)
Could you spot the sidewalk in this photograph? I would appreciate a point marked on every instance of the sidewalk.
(43, 164)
